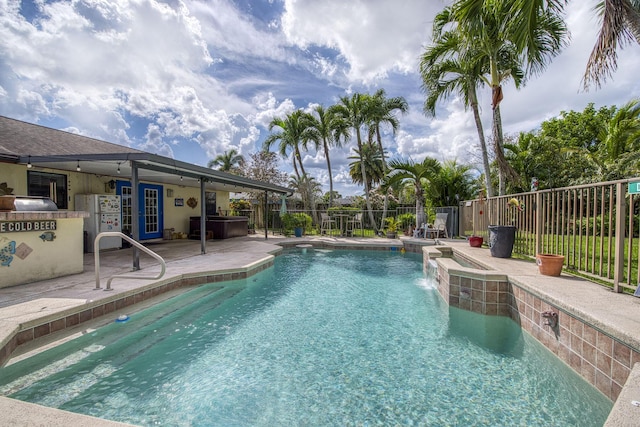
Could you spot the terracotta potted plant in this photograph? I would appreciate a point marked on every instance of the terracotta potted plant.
(550, 264)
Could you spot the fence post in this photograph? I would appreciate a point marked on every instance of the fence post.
(539, 227)
(618, 262)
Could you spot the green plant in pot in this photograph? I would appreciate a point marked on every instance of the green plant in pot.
(392, 227)
(295, 222)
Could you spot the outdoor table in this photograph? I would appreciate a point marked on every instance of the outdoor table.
(342, 217)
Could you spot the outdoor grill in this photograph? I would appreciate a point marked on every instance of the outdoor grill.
(32, 204)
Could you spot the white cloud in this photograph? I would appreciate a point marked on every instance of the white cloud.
(194, 78)
(373, 36)
(155, 142)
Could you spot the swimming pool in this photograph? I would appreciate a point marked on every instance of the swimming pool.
(322, 338)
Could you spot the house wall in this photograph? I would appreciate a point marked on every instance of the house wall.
(176, 217)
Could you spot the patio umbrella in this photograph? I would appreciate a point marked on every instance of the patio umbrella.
(283, 207)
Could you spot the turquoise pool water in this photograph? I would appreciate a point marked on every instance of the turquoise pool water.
(323, 338)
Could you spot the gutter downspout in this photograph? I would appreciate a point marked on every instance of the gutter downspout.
(135, 214)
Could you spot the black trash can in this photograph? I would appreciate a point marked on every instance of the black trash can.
(501, 240)
(126, 243)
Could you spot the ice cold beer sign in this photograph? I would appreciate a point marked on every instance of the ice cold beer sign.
(17, 226)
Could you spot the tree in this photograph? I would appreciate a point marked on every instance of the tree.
(565, 151)
(510, 52)
(620, 142)
(382, 111)
(418, 174)
(263, 166)
(329, 197)
(620, 24)
(450, 66)
(294, 132)
(229, 161)
(326, 129)
(309, 189)
(452, 183)
(372, 158)
(354, 111)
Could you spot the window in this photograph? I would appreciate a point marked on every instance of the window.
(126, 208)
(210, 203)
(51, 185)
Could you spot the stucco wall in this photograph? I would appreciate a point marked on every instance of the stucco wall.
(30, 256)
(176, 217)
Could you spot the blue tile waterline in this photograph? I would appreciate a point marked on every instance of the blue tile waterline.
(323, 338)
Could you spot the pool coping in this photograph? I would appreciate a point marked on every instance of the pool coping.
(496, 269)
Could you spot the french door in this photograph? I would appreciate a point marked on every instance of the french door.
(150, 208)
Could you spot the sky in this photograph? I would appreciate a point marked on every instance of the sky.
(193, 79)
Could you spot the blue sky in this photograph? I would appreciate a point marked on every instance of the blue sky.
(192, 79)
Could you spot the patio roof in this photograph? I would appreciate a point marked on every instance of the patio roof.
(24, 143)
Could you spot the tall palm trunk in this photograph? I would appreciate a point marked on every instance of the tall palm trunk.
(473, 97)
(295, 168)
(420, 214)
(366, 181)
(385, 205)
(499, 150)
(299, 158)
(326, 154)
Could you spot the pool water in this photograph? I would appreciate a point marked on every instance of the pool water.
(323, 338)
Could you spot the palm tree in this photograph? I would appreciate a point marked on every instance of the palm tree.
(448, 66)
(382, 110)
(488, 27)
(452, 183)
(227, 161)
(418, 174)
(326, 130)
(294, 133)
(620, 24)
(354, 111)
(374, 165)
(309, 189)
(622, 132)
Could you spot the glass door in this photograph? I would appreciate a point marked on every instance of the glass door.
(150, 209)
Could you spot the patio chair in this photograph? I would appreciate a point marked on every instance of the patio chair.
(326, 223)
(439, 228)
(354, 223)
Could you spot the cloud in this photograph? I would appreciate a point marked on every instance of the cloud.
(155, 142)
(373, 36)
(193, 79)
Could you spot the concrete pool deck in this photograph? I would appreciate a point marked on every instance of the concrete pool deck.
(616, 314)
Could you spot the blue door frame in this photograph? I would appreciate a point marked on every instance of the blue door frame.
(150, 208)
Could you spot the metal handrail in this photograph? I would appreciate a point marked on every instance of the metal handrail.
(96, 247)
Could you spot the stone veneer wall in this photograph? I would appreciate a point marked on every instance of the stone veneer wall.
(599, 358)
(103, 307)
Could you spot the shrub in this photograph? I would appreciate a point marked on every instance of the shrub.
(296, 220)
